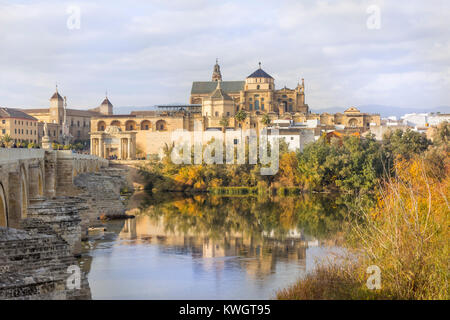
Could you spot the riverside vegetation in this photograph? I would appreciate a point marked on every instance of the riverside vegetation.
(397, 220)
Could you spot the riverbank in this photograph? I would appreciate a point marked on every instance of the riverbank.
(404, 237)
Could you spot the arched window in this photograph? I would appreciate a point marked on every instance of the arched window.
(256, 104)
(161, 125)
(130, 125)
(353, 123)
(146, 125)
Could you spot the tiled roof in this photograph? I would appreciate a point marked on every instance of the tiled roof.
(15, 113)
(202, 87)
(85, 113)
(36, 111)
(260, 73)
(219, 93)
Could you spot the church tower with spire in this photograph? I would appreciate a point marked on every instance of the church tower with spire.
(216, 76)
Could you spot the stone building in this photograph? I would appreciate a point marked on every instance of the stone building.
(18, 125)
(214, 105)
(114, 142)
(256, 94)
(78, 121)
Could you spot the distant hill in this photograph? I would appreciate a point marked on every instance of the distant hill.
(386, 111)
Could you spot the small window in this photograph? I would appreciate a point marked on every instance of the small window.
(257, 87)
(292, 138)
(235, 141)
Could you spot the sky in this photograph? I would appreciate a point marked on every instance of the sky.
(350, 52)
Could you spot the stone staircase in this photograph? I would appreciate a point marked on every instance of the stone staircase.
(35, 266)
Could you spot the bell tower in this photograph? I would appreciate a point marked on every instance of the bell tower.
(216, 76)
(56, 108)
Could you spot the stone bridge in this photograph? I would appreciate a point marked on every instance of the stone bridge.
(35, 174)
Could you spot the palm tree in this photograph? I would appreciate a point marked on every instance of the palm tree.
(224, 123)
(240, 117)
(266, 122)
(7, 140)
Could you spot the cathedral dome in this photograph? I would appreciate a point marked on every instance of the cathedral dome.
(260, 73)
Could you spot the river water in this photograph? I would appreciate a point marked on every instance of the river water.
(209, 247)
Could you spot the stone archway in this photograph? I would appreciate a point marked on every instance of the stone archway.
(146, 125)
(353, 123)
(130, 125)
(3, 208)
(101, 126)
(161, 125)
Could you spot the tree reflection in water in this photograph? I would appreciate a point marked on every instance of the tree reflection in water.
(249, 245)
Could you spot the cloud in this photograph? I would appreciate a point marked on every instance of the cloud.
(149, 52)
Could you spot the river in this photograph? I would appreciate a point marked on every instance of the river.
(211, 247)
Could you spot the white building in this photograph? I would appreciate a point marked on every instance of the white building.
(296, 137)
(421, 120)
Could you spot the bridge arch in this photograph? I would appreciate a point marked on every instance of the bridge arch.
(3, 208)
(24, 194)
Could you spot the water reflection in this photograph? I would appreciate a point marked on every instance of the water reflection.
(213, 247)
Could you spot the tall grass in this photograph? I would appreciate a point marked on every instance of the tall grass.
(406, 235)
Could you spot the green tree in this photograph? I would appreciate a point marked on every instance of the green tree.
(405, 143)
(240, 117)
(224, 123)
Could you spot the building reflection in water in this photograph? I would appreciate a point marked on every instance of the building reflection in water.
(258, 256)
(207, 247)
